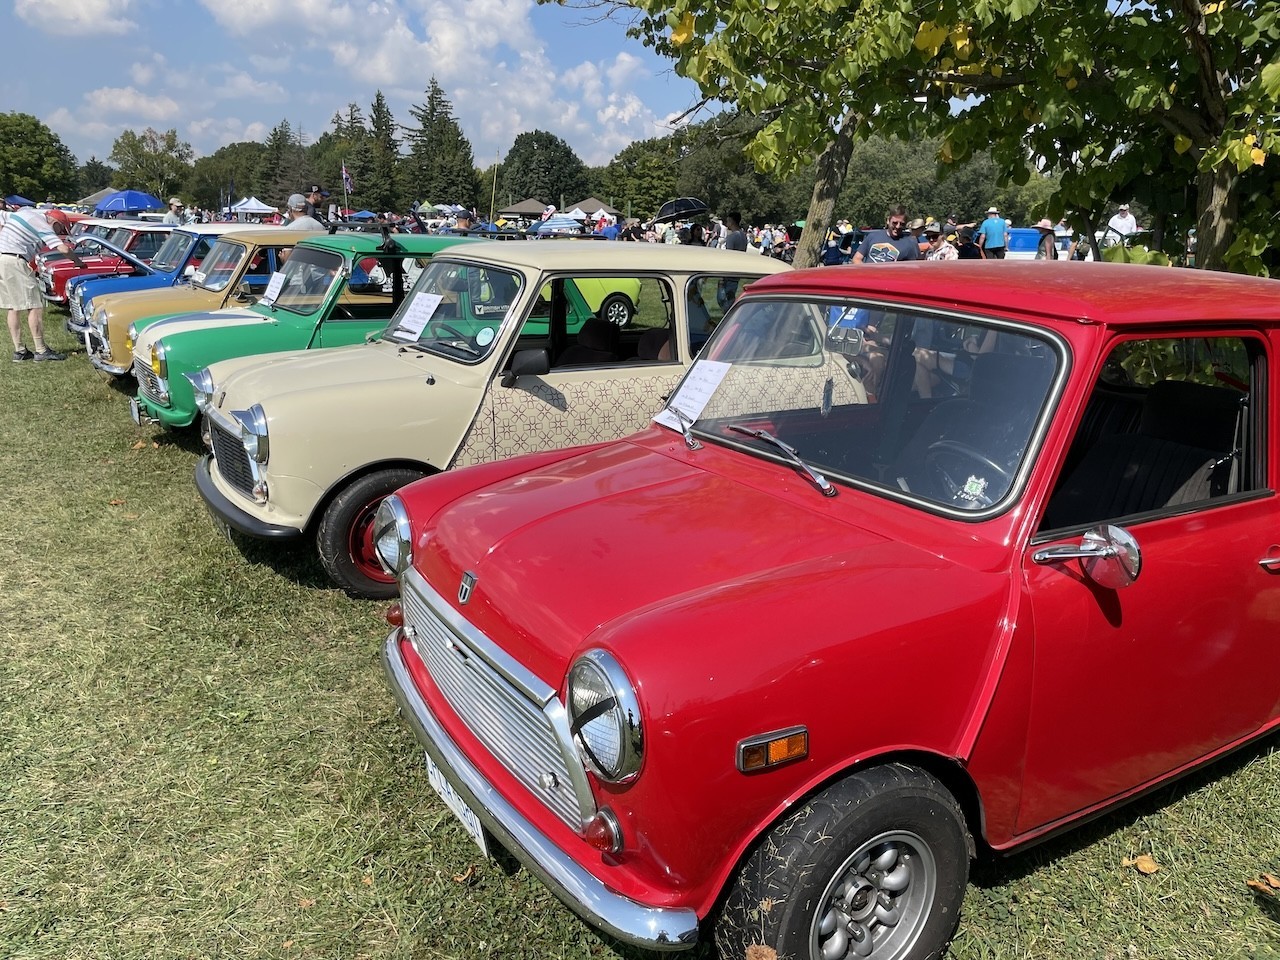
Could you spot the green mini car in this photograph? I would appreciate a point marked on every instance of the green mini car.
(333, 290)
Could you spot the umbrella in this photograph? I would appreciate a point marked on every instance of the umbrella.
(559, 223)
(363, 215)
(17, 201)
(129, 201)
(681, 209)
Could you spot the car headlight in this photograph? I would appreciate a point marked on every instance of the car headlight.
(202, 386)
(253, 431)
(604, 716)
(391, 536)
(131, 338)
(159, 365)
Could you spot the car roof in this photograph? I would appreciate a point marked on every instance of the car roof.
(142, 226)
(1112, 293)
(221, 227)
(624, 257)
(369, 243)
(265, 234)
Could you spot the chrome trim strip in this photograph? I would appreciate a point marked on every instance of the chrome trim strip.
(653, 928)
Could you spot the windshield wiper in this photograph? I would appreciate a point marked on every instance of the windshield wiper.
(686, 425)
(819, 481)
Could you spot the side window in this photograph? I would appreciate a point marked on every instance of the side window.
(147, 244)
(200, 251)
(706, 302)
(1170, 424)
(600, 321)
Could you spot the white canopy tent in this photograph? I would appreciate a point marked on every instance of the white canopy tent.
(251, 205)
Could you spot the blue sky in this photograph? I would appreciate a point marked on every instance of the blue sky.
(219, 71)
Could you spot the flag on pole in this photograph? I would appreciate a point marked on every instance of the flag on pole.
(347, 183)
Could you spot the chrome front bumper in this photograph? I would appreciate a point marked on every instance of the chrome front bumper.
(654, 928)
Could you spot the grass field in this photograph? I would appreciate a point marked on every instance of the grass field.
(198, 757)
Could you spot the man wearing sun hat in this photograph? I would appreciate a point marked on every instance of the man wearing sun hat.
(174, 216)
(992, 235)
(1123, 222)
(24, 233)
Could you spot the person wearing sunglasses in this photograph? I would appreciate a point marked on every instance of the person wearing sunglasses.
(891, 244)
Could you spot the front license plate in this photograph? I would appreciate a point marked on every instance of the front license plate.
(134, 411)
(470, 822)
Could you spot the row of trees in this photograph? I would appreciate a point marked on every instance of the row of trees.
(393, 166)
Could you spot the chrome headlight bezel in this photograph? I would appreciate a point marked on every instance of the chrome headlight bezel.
(253, 432)
(392, 537)
(100, 318)
(201, 387)
(159, 357)
(131, 338)
(604, 717)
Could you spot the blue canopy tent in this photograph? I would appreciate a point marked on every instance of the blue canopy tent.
(17, 201)
(129, 201)
(363, 215)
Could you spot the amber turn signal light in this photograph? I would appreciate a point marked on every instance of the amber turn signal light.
(395, 614)
(771, 749)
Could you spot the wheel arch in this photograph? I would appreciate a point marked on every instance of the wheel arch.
(946, 770)
(364, 470)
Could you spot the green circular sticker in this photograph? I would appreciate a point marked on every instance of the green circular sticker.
(485, 336)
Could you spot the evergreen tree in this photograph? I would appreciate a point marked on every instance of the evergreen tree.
(542, 166)
(440, 166)
(281, 171)
(379, 189)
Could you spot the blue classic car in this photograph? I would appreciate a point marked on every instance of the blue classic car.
(175, 261)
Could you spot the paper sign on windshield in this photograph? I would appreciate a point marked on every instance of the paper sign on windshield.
(417, 313)
(274, 287)
(696, 389)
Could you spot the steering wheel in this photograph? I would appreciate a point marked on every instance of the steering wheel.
(939, 450)
(461, 340)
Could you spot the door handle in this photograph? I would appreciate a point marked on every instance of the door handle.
(1269, 563)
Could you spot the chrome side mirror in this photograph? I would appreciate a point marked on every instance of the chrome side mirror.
(1108, 555)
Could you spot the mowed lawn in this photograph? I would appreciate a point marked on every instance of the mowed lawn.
(198, 756)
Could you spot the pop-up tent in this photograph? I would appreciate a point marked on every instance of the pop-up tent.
(251, 205)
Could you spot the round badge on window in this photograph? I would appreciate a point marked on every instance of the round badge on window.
(485, 336)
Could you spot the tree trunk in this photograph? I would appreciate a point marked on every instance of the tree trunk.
(832, 167)
(1216, 204)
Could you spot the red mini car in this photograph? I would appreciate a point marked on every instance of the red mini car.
(870, 596)
(139, 240)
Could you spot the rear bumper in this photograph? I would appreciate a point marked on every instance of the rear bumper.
(653, 928)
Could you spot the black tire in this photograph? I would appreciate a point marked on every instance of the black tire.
(344, 536)
(617, 309)
(882, 855)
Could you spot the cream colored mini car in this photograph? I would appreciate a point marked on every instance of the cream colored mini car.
(499, 349)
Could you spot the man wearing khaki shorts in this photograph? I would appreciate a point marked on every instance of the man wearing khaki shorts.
(22, 235)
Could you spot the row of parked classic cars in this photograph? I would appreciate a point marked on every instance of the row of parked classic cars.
(767, 599)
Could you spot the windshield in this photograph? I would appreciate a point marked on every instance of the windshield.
(455, 309)
(920, 406)
(220, 266)
(120, 237)
(172, 252)
(308, 275)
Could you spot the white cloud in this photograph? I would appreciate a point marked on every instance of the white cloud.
(76, 17)
(242, 86)
(129, 102)
(64, 119)
(143, 73)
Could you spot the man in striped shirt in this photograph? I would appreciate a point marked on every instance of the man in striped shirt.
(21, 236)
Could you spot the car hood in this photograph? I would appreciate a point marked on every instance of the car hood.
(591, 544)
(146, 303)
(256, 379)
(205, 320)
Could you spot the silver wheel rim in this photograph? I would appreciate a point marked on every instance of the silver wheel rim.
(616, 312)
(877, 903)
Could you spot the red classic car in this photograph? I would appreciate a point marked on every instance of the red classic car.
(872, 596)
(139, 240)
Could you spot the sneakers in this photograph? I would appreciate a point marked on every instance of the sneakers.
(22, 353)
(47, 354)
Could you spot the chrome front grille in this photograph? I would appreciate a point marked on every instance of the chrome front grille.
(521, 733)
(77, 312)
(230, 458)
(148, 382)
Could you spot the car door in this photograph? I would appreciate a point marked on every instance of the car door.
(1136, 682)
(587, 394)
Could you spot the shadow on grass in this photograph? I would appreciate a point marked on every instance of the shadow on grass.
(295, 560)
(182, 438)
(994, 870)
